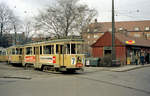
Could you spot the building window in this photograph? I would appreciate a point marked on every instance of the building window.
(88, 30)
(147, 28)
(95, 30)
(95, 36)
(120, 29)
(110, 29)
(88, 36)
(136, 28)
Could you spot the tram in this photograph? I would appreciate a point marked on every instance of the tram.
(3, 55)
(55, 55)
(15, 55)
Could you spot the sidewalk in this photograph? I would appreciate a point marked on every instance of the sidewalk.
(116, 69)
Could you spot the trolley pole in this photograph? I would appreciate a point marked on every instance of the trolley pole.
(113, 34)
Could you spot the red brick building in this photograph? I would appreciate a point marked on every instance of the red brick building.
(124, 50)
(137, 29)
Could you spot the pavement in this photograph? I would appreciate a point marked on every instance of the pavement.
(116, 69)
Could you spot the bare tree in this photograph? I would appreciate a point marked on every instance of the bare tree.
(7, 21)
(67, 17)
(28, 31)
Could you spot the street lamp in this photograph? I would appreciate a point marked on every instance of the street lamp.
(113, 34)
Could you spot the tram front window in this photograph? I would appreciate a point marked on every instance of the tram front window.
(79, 48)
(65, 49)
(75, 49)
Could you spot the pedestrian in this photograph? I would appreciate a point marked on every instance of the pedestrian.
(136, 59)
(147, 59)
(142, 59)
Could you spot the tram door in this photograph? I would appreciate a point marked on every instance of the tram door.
(60, 52)
(23, 55)
(37, 53)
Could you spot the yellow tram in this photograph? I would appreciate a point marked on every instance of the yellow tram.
(54, 55)
(3, 55)
(15, 55)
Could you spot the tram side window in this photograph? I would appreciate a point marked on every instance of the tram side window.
(47, 49)
(62, 49)
(40, 49)
(68, 48)
(28, 50)
(73, 49)
(34, 51)
(57, 49)
(20, 52)
(13, 51)
(17, 50)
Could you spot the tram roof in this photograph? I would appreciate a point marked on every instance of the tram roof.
(58, 41)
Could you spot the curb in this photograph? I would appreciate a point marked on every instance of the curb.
(120, 69)
(129, 69)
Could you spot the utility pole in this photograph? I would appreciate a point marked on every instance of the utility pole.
(15, 35)
(113, 34)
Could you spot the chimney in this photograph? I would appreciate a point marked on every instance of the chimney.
(95, 20)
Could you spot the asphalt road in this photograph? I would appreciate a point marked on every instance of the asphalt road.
(15, 81)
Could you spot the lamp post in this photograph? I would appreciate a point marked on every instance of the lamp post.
(15, 31)
(113, 34)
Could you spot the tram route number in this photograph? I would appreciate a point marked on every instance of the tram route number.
(73, 61)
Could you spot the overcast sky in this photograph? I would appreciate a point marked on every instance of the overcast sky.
(125, 9)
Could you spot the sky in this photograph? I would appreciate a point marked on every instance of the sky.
(125, 10)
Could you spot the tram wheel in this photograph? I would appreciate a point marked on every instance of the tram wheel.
(45, 68)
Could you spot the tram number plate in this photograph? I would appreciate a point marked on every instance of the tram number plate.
(73, 61)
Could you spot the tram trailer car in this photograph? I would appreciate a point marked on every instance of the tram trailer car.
(55, 55)
(3, 55)
(15, 55)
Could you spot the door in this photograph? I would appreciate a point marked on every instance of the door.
(37, 54)
(60, 50)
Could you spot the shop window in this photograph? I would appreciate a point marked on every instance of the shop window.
(148, 35)
(107, 52)
(137, 35)
(95, 36)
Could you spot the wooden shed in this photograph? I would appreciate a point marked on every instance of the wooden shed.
(124, 51)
